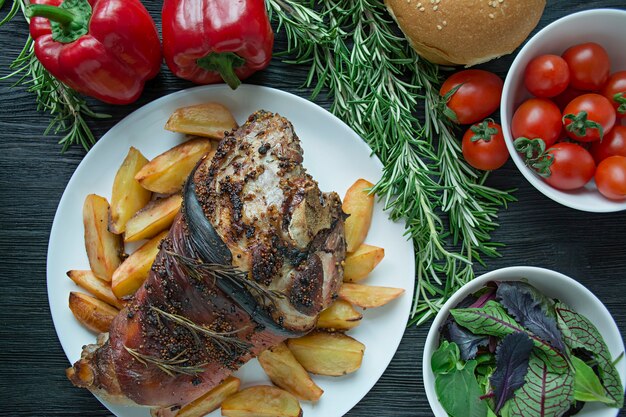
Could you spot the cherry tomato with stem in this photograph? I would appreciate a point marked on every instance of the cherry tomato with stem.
(611, 177)
(615, 91)
(472, 95)
(589, 65)
(614, 143)
(483, 146)
(588, 118)
(565, 165)
(546, 76)
(537, 118)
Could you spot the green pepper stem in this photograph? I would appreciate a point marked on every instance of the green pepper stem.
(224, 63)
(54, 13)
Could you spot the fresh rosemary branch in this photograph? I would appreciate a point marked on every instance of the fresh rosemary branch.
(67, 108)
(376, 83)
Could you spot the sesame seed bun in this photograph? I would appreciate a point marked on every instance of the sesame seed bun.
(465, 32)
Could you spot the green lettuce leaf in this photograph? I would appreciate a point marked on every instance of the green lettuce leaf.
(445, 358)
(545, 393)
(579, 332)
(587, 385)
(459, 392)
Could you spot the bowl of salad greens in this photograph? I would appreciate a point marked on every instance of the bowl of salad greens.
(525, 342)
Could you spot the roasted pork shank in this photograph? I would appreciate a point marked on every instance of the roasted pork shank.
(253, 258)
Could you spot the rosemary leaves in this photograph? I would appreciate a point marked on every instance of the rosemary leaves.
(376, 83)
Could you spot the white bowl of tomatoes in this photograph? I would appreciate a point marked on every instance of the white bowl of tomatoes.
(563, 110)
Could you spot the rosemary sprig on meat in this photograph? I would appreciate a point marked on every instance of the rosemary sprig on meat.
(227, 341)
(169, 366)
(68, 109)
(377, 83)
(200, 270)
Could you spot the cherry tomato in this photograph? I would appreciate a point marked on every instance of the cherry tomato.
(546, 76)
(588, 117)
(589, 66)
(566, 96)
(483, 146)
(613, 144)
(615, 91)
(611, 177)
(477, 97)
(537, 118)
(572, 166)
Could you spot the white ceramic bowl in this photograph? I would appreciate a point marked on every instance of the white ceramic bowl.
(552, 284)
(604, 26)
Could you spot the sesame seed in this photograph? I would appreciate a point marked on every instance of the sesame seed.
(491, 15)
(445, 23)
(422, 9)
(432, 1)
(419, 5)
(439, 27)
(435, 8)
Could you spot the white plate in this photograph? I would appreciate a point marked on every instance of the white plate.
(333, 154)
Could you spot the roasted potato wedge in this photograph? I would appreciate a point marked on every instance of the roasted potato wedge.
(157, 216)
(340, 316)
(94, 314)
(286, 372)
(361, 262)
(97, 287)
(332, 354)
(360, 206)
(128, 195)
(368, 296)
(167, 172)
(103, 247)
(261, 401)
(208, 119)
(134, 270)
(211, 400)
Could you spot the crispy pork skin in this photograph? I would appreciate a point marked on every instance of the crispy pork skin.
(255, 255)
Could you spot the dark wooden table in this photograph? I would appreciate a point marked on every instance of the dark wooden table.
(33, 175)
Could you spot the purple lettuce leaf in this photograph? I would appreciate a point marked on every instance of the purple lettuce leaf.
(511, 366)
(467, 341)
(530, 309)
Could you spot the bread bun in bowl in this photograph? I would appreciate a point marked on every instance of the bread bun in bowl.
(465, 32)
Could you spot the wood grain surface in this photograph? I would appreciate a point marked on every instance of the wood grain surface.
(33, 175)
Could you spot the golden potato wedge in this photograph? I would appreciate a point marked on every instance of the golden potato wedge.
(340, 316)
(128, 195)
(208, 119)
(157, 216)
(167, 172)
(134, 270)
(368, 296)
(261, 401)
(211, 400)
(361, 262)
(360, 206)
(286, 372)
(332, 354)
(94, 314)
(97, 287)
(103, 247)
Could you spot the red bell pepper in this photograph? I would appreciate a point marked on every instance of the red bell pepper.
(106, 49)
(207, 41)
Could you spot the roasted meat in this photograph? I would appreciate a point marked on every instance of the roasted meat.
(253, 258)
